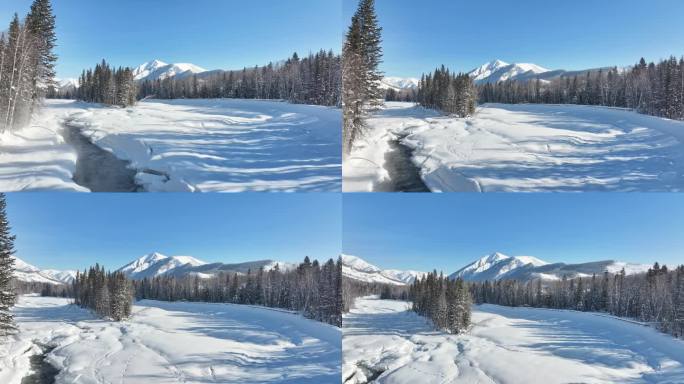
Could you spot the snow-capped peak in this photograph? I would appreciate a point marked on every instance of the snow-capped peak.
(356, 268)
(145, 69)
(496, 265)
(143, 263)
(157, 69)
(497, 70)
(399, 83)
(486, 69)
(155, 264)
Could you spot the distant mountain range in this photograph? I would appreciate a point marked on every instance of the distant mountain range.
(494, 72)
(151, 265)
(399, 83)
(356, 268)
(26, 272)
(496, 266)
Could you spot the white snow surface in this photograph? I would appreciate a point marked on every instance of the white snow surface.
(525, 148)
(505, 346)
(356, 268)
(218, 145)
(172, 343)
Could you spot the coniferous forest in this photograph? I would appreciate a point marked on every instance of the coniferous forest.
(655, 297)
(27, 64)
(361, 56)
(315, 79)
(446, 302)
(655, 89)
(313, 289)
(448, 92)
(107, 85)
(108, 294)
(8, 294)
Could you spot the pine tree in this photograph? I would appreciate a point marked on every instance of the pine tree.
(41, 23)
(7, 294)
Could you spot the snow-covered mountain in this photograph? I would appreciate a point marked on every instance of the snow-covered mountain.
(65, 85)
(26, 272)
(497, 70)
(159, 70)
(356, 268)
(156, 264)
(399, 83)
(498, 266)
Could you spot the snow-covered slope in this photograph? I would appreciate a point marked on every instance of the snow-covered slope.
(356, 268)
(385, 341)
(159, 70)
(177, 342)
(497, 70)
(26, 272)
(399, 83)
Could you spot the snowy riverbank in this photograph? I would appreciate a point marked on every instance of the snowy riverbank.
(212, 145)
(527, 148)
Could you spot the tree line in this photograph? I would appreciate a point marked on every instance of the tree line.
(26, 64)
(444, 301)
(453, 93)
(107, 85)
(313, 289)
(316, 79)
(108, 294)
(361, 56)
(655, 89)
(8, 295)
(655, 297)
(353, 289)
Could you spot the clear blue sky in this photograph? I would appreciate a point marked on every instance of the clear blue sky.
(214, 34)
(69, 230)
(448, 231)
(579, 34)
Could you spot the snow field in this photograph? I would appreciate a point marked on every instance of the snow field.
(528, 148)
(172, 343)
(505, 345)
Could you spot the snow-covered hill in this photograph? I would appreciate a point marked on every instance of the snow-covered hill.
(498, 266)
(497, 70)
(26, 272)
(159, 70)
(399, 83)
(356, 268)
